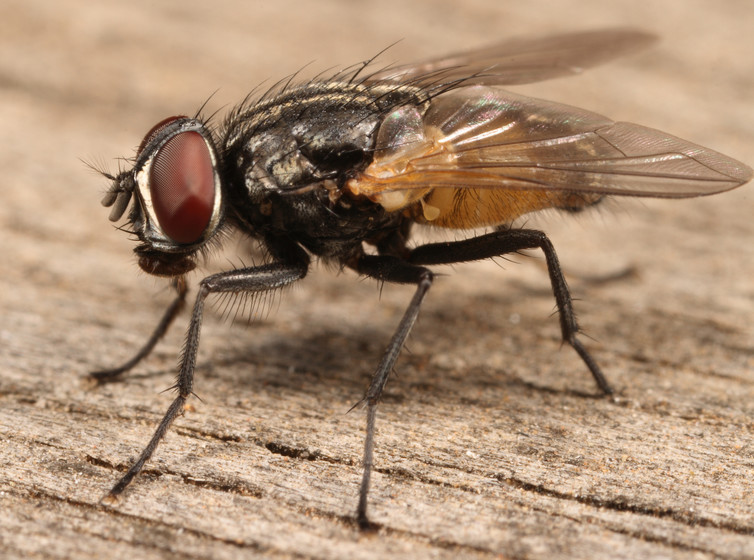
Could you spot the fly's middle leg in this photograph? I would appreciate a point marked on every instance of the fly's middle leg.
(388, 269)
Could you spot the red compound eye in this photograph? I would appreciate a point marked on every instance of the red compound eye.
(182, 185)
(155, 130)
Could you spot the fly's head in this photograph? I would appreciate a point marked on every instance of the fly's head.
(178, 197)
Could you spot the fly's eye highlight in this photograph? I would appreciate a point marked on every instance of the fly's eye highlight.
(182, 186)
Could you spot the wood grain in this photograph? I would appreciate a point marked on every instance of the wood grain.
(491, 439)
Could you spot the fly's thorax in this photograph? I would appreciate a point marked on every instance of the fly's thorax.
(309, 134)
(291, 155)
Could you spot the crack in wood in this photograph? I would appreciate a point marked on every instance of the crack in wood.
(622, 504)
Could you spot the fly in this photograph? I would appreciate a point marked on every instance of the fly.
(341, 169)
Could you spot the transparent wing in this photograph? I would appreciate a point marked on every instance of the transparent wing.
(498, 142)
(521, 60)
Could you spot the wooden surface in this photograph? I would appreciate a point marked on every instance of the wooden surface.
(491, 440)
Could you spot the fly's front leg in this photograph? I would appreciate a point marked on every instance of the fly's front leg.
(388, 269)
(250, 280)
(510, 241)
(170, 314)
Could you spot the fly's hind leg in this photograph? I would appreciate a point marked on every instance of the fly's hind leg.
(510, 241)
(168, 317)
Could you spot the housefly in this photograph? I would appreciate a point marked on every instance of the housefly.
(343, 168)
